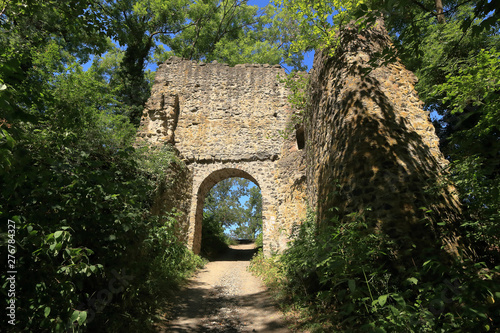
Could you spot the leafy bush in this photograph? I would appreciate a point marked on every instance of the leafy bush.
(213, 239)
(81, 208)
(342, 277)
(480, 194)
(90, 256)
(259, 240)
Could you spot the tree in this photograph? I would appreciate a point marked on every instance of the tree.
(229, 31)
(222, 202)
(136, 25)
(320, 21)
(77, 190)
(27, 29)
(233, 32)
(456, 62)
(223, 206)
(222, 210)
(252, 225)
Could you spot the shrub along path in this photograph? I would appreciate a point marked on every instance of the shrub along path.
(226, 297)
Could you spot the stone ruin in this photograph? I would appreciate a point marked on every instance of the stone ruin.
(367, 140)
(226, 122)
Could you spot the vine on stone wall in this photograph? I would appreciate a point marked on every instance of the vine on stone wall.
(297, 83)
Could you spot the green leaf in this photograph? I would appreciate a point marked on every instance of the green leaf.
(352, 285)
(58, 234)
(382, 300)
(399, 299)
(46, 312)
(478, 313)
(394, 311)
(426, 263)
(79, 316)
(412, 280)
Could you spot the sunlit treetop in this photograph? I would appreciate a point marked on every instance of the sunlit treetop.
(319, 21)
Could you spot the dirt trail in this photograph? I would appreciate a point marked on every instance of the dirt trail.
(225, 297)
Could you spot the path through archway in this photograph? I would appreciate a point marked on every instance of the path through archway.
(204, 187)
(232, 212)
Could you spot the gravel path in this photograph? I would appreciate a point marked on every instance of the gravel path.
(224, 297)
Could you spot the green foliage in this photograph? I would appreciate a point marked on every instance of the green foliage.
(80, 193)
(480, 193)
(251, 226)
(158, 162)
(228, 31)
(213, 239)
(297, 83)
(84, 207)
(233, 32)
(6, 145)
(472, 96)
(223, 209)
(136, 25)
(267, 40)
(223, 205)
(343, 278)
(318, 22)
(269, 270)
(223, 201)
(215, 22)
(476, 84)
(458, 78)
(259, 240)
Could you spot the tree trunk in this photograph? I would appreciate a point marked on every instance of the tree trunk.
(439, 12)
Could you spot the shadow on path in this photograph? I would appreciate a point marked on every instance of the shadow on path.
(237, 254)
(225, 297)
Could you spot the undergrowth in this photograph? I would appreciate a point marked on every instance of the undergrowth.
(90, 255)
(340, 278)
(213, 240)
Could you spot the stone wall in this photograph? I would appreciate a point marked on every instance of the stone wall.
(370, 145)
(217, 112)
(290, 178)
(226, 122)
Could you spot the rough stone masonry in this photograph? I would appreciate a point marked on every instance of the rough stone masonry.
(367, 139)
(226, 122)
(372, 149)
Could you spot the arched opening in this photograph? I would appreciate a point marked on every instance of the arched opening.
(243, 228)
(232, 214)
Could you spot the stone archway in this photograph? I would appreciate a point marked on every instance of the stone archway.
(202, 191)
(226, 122)
(368, 135)
(262, 173)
